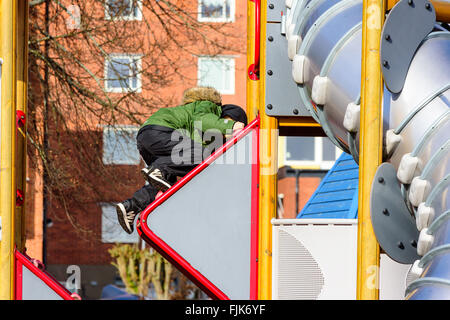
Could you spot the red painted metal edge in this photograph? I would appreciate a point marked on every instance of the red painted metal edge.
(18, 278)
(22, 260)
(172, 256)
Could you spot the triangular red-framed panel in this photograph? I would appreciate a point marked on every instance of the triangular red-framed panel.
(174, 257)
(43, 279)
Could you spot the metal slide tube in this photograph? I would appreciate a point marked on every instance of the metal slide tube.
(416, 121)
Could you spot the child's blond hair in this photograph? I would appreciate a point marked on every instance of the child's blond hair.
(201, 94)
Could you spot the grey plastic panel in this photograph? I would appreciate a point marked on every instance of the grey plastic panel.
(393, 225)
(36, 289)
(274, 10)
(406, 26)
(282, 95)
(208, 221)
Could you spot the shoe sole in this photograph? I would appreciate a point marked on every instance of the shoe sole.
(121, 216)
(159, 184)
(154, 181)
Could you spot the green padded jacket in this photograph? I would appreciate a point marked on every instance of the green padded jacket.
(192, 118)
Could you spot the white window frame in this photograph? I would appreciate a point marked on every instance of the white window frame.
(111, 231)
(109, 161)
(318, 161)
(221, 19)
(225, 60)
(138, 59)
(130, 17)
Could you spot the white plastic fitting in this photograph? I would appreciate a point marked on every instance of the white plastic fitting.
(425, 242)
(319, 90)
(352, 116)
(424, 216)
(419, 191)
(392, 141)
(299, 65)
(406, 169)
(289, 29)
(294, 42)
(414, 272)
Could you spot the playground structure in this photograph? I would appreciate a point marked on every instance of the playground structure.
(316, 67)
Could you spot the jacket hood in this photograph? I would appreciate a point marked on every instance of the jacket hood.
(202, 94)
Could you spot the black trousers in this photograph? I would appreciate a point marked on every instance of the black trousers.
(170, 151)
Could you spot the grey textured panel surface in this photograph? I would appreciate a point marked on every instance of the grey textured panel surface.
(406, 26)
(393, 225)
(35, 289)
(208, 221)
(282, 94)
(274, 10)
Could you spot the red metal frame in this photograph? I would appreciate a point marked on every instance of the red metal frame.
(253, 69)
(24, 260)
(171, 255)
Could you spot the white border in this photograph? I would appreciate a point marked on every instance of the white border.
(130, 17)
(221, 19)
(124, 128)
(138, 58)
(226, 60)
(318, 155)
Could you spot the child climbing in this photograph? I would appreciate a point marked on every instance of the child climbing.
(173, 141)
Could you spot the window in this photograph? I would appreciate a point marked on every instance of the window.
(216, 10)
(119, 145)
(308, 152)
(123, 73)
(123, 9)
(217, 72)
(111, 230)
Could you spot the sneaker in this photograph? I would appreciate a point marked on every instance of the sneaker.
(126, 213)
(156, 178)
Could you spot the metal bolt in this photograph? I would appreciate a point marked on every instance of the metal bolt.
(385, 63)
(269, 106)
(428, 6)
(388, 37)
(386, 212)
(270, 38)
(295, 111)
(270, 72)
(400, 245)
(271, 6)
(380, 179)
(414, 243)
(410, 2)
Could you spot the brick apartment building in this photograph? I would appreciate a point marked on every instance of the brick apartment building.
(302, 160)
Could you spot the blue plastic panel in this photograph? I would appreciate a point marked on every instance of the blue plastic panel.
(337, 195)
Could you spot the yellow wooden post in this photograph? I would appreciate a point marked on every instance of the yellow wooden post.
(370, 147)
(8, 130)
(268, 175)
